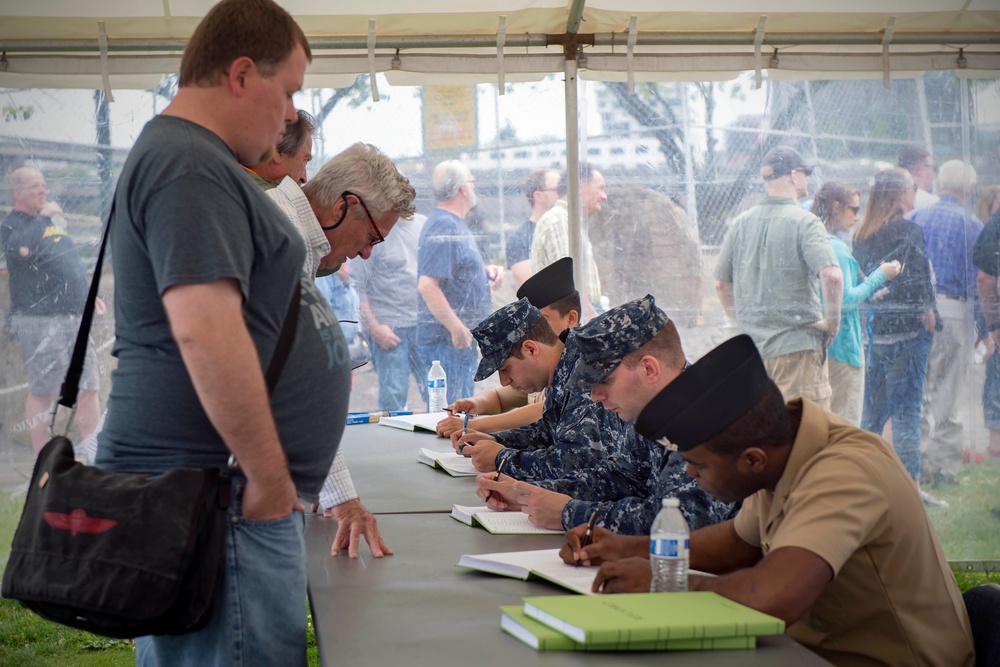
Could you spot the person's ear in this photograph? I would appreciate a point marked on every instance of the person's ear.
(572, 319)
(753, 460)
(530, 348)
(650, 368)
(237, 74)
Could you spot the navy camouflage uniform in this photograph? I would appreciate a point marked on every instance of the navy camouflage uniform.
(627, 488)
(573, 432)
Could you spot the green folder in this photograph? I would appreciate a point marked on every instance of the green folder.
(632, 617)
(541, 637)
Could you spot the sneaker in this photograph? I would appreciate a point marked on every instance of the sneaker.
(931, 501)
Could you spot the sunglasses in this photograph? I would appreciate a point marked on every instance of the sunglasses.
(808, 171)
(856, 209)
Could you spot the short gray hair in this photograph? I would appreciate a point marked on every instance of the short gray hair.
(296, 133)
(952, 176)
(365, 171)
(19, 177)
(448, 178)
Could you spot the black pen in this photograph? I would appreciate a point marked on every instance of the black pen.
(587, 535)
(496, 478)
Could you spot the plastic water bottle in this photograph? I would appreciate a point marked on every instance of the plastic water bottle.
(437, 388)
(668, 549)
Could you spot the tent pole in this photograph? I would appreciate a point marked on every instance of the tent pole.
(573, 178)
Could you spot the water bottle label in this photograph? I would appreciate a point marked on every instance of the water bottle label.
(436, 384)
(669, 547)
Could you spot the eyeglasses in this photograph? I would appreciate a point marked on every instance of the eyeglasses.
(343, 195)
(856, 209)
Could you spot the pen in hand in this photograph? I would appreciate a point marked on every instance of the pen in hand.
(587, 535)
(465, 429)
(496, 478)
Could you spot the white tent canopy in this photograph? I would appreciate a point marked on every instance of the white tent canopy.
(129, 43)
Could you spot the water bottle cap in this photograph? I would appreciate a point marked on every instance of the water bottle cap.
(670, 502)
(436, 361)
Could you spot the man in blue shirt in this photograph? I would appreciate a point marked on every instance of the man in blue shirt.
(453, 282)
(950, 233)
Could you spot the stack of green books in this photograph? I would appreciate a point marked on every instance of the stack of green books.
(689, 621)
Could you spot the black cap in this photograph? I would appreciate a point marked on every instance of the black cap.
(706, 398)
(781, 161)
(550, 284)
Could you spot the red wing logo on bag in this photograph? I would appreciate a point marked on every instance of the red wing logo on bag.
(77, 521)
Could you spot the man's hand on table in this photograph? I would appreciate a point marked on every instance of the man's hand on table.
(543, 507)
(353, 522)
(630, 575)
(499, 494)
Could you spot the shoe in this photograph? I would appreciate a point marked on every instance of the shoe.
(978, 457)
(931, 501)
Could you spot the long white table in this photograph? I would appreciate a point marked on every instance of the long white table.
(417, 607)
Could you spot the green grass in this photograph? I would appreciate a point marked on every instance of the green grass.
(967, 529)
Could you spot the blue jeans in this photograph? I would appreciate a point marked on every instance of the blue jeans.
(459, 366)
(894, 388)
(259, 615)
(394, 367)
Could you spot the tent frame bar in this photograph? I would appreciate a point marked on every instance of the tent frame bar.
(534, 40)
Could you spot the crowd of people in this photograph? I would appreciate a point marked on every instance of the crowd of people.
(772, 442)
(871, 310)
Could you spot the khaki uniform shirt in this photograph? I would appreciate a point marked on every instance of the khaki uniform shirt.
(846, 497)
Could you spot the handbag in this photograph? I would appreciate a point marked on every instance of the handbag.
(121, 554)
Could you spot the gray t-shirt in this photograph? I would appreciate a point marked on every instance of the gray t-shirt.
(772, 255)
(187, 213)
(388, 279)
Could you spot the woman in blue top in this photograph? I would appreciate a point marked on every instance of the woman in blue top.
(838, 206)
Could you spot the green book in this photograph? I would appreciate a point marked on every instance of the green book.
(630, 617)
(541, 637)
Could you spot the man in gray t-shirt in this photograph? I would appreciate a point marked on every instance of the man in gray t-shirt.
(387, 285)
(206, 267)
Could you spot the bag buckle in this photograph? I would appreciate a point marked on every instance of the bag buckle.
(54, 414)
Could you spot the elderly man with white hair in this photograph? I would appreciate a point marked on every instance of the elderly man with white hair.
(950, 231)
(453, 282)
(349, 206)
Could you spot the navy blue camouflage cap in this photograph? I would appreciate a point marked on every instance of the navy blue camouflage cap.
(497, 334)
(550, 284)
(706, 398)
(609, 338)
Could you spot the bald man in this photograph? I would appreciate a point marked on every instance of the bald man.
(453, 282)
(48, 289)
